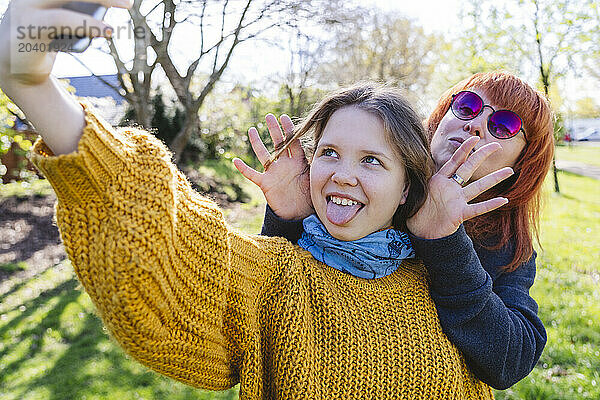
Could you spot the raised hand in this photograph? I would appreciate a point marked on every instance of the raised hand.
(446, 206)
(26, 31)
(285, 183)
(27, 58)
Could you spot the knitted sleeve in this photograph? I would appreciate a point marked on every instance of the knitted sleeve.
(175, 286)
(488, 315)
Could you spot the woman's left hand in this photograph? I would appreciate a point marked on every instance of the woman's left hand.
(446, 206)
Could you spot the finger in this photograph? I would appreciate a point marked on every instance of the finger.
(475, 159)
(287, 124)
(73, 23)
(296, 150)
(60, 3)
(474, 189)
(458, 157)
(473, 210)
(258, 146)
(274, 130)
(249, 173)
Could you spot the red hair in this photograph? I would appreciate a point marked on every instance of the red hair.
(519, 219)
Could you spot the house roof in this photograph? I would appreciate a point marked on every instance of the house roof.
(110, 104)
(93, 86)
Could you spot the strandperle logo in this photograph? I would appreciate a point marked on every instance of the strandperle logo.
(33, 32)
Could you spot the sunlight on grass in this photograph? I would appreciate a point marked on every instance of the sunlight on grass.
(13, 267)
(53, 346)
(580, 153)
(32, 187)
(570, 225)
(567, 290)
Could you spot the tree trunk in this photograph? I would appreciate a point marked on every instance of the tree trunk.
(546, 82)
(556, 188)
(183, 136)
(142, 107)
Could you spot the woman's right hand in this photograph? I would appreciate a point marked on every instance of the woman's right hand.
(447, 203)
(285, 183)
(31, 23)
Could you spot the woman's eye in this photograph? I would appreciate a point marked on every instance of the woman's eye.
(329, 152)
(371, 160)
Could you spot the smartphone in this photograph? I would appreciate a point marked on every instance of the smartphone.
(77, 42)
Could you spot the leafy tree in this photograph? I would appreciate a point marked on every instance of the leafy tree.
(591, 37)
(8, 137)
(380, 46)
(536, 38)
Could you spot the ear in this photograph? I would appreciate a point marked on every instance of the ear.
(405, 193)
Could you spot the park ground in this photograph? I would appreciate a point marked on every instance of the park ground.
(53, 346)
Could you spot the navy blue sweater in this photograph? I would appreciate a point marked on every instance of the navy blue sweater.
(486, 313)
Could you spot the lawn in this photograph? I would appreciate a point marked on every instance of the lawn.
(567, 290)
(53, 346)
(583, 153)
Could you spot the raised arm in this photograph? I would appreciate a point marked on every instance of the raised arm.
(176, 287)
(285, 183)
(25, 75)
(487, 314)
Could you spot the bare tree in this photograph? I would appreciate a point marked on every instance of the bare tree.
(220, 27)
(305, 57)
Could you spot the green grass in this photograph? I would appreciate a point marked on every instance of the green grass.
(567, 289)
(32, 187)
(581, 153)
(53, 346)
(13, 267)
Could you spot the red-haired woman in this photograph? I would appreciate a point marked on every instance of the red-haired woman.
(480, 272)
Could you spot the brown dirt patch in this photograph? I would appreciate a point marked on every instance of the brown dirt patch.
(28, 233)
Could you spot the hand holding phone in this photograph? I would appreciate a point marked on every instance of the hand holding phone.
(29, 31)
(78, 41)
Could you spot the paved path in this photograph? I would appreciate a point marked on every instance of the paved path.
(579, 168)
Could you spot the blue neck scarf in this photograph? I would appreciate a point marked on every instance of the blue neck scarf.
(374, 256)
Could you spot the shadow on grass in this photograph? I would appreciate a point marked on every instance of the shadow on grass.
(42, 232)
(578, 200)
(14, 283)
(90, 363)
(67, 293)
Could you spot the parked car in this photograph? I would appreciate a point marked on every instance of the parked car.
(590, 134)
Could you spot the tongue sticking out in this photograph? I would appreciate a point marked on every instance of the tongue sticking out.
(340, 215)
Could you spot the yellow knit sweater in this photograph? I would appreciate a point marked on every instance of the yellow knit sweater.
(196, 300)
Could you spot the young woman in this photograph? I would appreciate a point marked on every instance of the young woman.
(480, 283)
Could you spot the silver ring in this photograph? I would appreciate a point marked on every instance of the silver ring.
(458, 179)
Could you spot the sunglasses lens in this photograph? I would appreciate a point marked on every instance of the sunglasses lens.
(466, 105)
(504, 124)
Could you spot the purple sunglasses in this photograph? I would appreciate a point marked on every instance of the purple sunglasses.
(502, 124)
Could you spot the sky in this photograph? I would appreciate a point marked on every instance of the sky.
(255, 61)
(439, 21)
